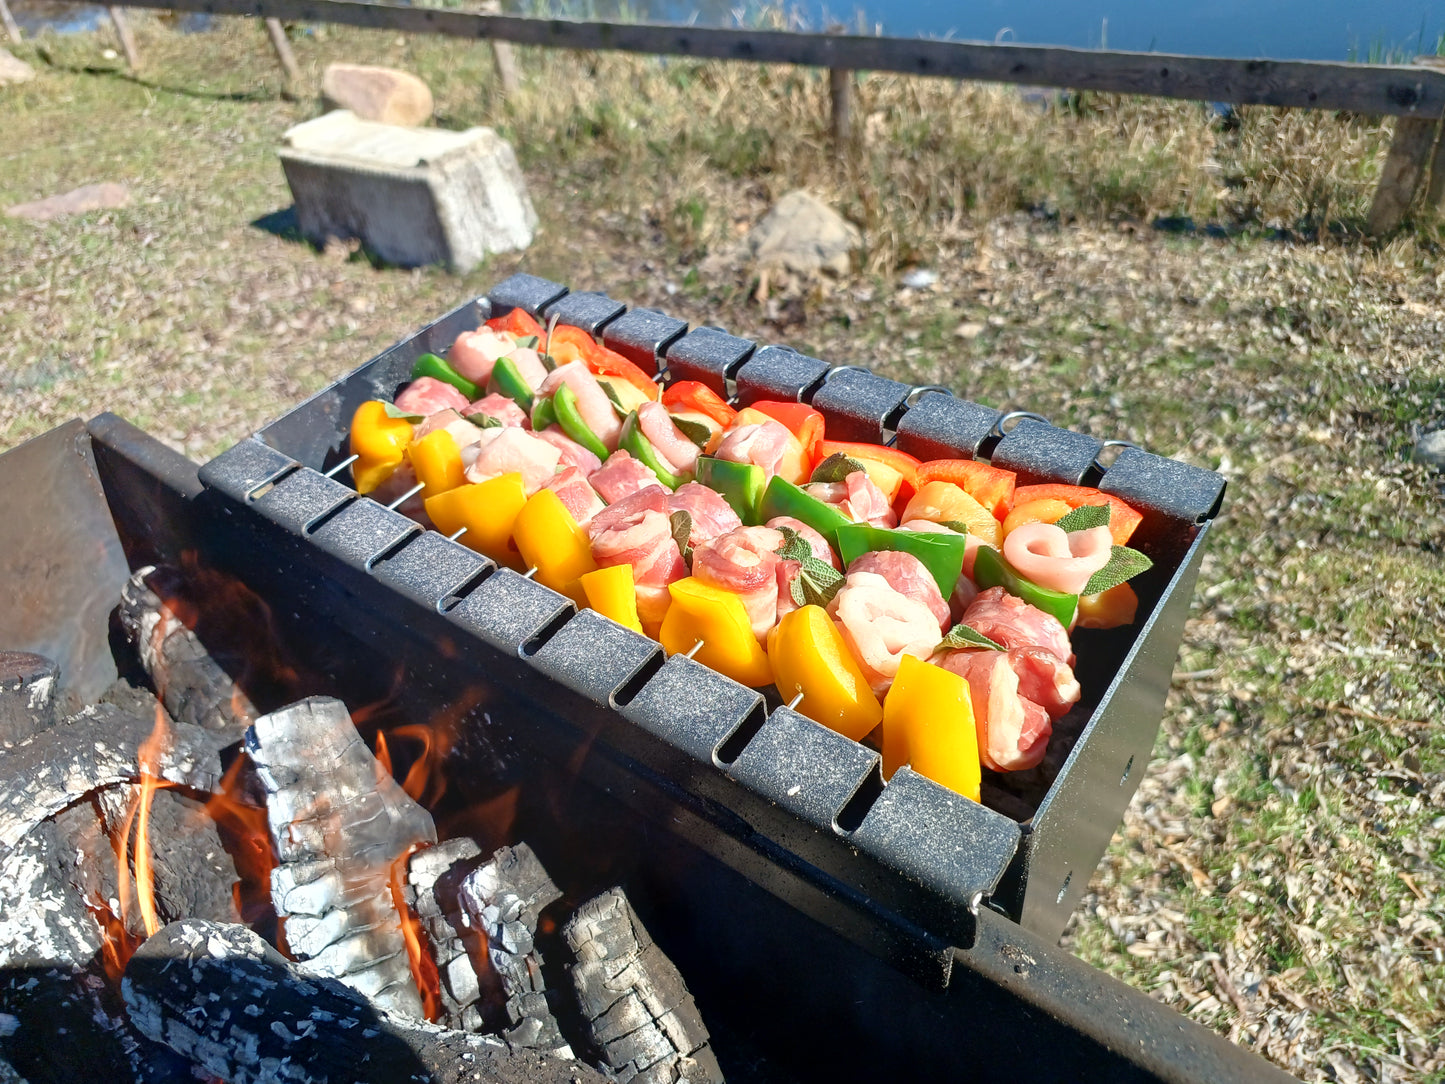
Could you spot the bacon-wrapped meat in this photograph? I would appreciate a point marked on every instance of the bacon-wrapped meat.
(592, 402)
(711, 515)
(821, 550)
(500, 407)
(621, 476)
(766, 444)
(744, 561)
(462, 431)
(1012, 622)
(636, 531)
(677, 451)
(1013, 731)
(579, 498)
(857, 498)
(907, 575)
(573, 454)
(502, 451)
(880, 626)
(426, 395)
(475, 353)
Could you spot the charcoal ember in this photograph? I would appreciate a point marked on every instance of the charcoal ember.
(8, 1073)
(45, 882)
(434, 876)
(27, 695)
(220, 996)
(96, 748)
(340, 823)
(503, 899)
(640, 1016)
(194, 687)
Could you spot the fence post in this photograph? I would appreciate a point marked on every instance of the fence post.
(127, 39)
(1413, 153)
(277, 33)
(12, 28)
(502, 53)
(840, 89)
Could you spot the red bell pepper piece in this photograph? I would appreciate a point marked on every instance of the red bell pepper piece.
(802, 421)
(992, 487)
(694, 397)
(900, 463)
(602, 361)
(1122, 518)
(519, 322)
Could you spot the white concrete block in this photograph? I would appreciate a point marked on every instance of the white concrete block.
(413, 196)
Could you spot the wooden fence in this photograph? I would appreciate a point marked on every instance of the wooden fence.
(1415, 94)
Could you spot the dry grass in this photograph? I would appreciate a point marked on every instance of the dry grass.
(1281, 875)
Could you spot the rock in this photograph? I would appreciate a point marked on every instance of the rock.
(969, 329)
(14, 70)
(412, 196)
(803, 234)
(91, 197)
(384, 95)
(920, 278)
(1430, 450)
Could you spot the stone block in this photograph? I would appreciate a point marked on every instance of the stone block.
(412, 196)
(380, 94)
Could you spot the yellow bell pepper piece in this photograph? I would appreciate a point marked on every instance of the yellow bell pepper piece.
(809, 656)
(438, 462)
(379, 442)
(717, 618)
(551, 541)
(611, 593)
(488, 510)
(928, 725)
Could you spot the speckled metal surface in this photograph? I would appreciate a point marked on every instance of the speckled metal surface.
(507, 610)
(238, 470)
(940, 426)
(1038, 452)
(522, 291)
(692, 708)
(301, 498)
(643, 337)
(594, 656)
(589, 311)
(361, 532)
(857, 405)
(777, 372)
(429, 568)
(708, 355)
(804, 767)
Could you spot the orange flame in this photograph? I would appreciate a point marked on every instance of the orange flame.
(423, 967)
(151, 751)
(246, 835)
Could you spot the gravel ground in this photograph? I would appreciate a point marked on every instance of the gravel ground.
(1280, 876)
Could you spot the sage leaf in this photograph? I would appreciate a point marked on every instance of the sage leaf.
(1124, 564)
(696, 432)
(393, 411)
(485, 421)
(1084, 518)
(961, 636)
(836, 468)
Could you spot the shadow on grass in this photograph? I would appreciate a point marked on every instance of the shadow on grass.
(260, 94)
(283, 224)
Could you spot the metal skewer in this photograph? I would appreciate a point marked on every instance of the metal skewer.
(410, 493)
(529, 573)
(334, 471)
(793, 703)
(693, 650)
(456, 534)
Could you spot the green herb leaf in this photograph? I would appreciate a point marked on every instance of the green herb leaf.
(836, 468)
(1124, 564)
(485, 421)
(817, 582)
(696, 432)
(795, 547)
(955, 525)
(392, 411)
(529, 341)
(681, 521)
(1084, 518)
(961, 636)
(548, 362)
(614, 398)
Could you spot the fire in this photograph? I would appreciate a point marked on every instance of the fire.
(246, 836)
(423, 968)
(150, 769)
(118, 942)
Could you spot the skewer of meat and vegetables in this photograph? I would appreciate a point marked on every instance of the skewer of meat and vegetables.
(924, 606)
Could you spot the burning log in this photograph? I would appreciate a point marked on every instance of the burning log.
(96, 748)
(504, 899)
(641, 1018)
(220, 996)
(191, 683)
(341, 823)
(27, 695)
(434, 877)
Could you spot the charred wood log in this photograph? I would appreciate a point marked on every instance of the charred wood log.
(503, 899)
(641, 1017)
(434, 877)
(190, 682)
(97, 748)
(222, 997)
(46, 881)
(341, 824)
(27, 695)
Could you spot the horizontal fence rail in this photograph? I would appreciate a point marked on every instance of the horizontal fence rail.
(1363, 88)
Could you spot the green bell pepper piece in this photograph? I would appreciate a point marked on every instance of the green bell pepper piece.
(507, 380)
(640, 448)
(991, 570)
(440, 369)
(782, 498)
(740, 484)
(543, 414)
(941, 554)
(564, 405)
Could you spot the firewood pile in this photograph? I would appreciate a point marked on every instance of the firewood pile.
(133, 831)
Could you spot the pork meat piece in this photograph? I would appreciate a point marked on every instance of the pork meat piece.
(571, 487)
(1013, 731)
(880, 626)
(909, 576)
(744, 561)
(1012, 622)
(426, 395)
(711, 515)
(502, 451)
(592, 402)
(621, 476)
